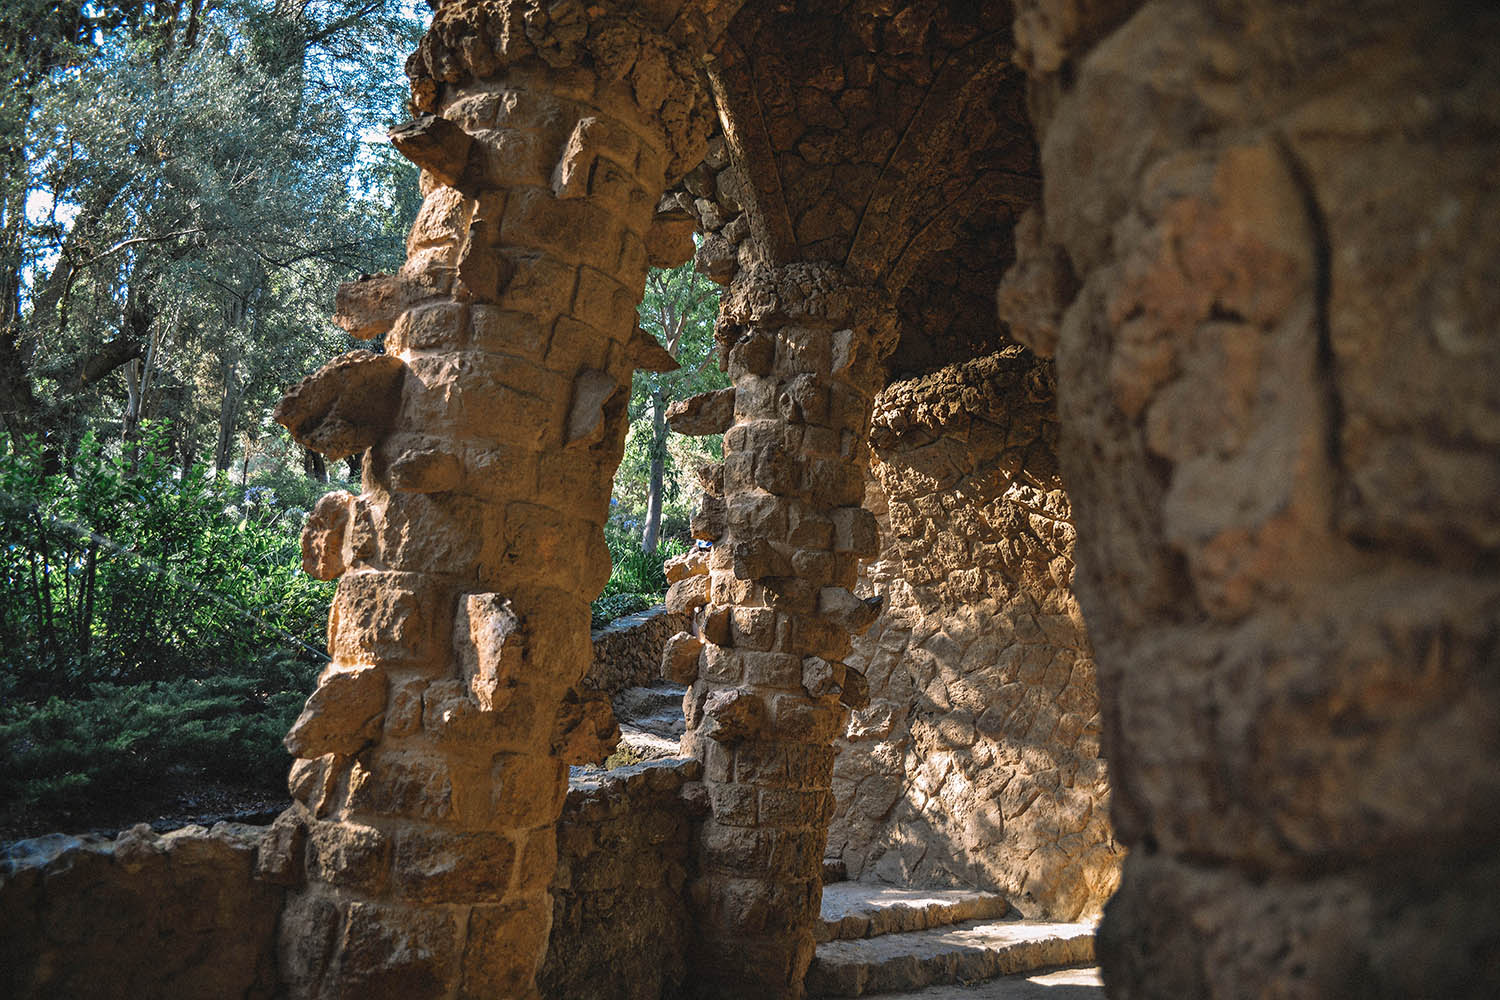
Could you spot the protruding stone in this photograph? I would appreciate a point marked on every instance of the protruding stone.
(370, 306)
(733, 716)
(323, 536)
(591, 391)
(342, 715)
(344, 407)
(856, 689)
(821, 677)
(491, 645)
(647, 354)
(711, 521)
(705, 413)
(436, 145)
(669, 241)
(278, 857)
(679, 658)
(840, 607)
(587, 731)
(687, 594)
(694, 562)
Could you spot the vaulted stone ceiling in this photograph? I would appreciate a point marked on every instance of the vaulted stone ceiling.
(889, 138)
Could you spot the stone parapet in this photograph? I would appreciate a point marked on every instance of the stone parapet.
(180, 916)
(627, 651)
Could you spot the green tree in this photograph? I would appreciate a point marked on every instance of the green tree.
(196, 180)
(678, 309)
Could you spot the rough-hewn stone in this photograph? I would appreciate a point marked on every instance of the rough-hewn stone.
(761, 715)
(181, 915)
(628, 651)
(1278, 435)
(977, 761)
(494, 425)
(620, 918)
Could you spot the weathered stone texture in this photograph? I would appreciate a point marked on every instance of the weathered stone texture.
(434, 754)
(770, 690)
(1279, 436)
(978, 759)
(173, 917)
(628, 651)
(620, 927)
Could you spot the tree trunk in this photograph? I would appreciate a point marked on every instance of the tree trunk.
(314, 465)
(229, 414)
(652, 532)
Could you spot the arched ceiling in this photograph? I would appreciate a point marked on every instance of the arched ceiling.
(890, 138)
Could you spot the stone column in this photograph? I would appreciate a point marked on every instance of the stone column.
(433, 755)
(769, 687)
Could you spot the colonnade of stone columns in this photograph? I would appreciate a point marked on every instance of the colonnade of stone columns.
(769, 688)
(433, 755)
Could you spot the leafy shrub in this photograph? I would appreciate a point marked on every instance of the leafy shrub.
(126, 573)
(149, 622)
(113, 739)
(637, 581)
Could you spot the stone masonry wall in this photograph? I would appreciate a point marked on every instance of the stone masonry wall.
(620, 928)
(978, 759)
(173, 917)
(627, 651)
(190, 915)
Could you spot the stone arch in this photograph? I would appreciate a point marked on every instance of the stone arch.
(1287, 531)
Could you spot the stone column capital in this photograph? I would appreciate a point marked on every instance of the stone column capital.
(806, 292)
(618, 50)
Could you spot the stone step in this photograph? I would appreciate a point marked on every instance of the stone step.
(861, 909)
(1079, 982)
(656, 710)
(651, 722)
(969, 952)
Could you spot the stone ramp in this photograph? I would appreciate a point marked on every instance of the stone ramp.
(1074, 983)
(853, 910)
(966, 952)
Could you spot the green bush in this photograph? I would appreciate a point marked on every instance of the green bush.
(114, 739)
(149, 622)
(125, 573)
(636, 581)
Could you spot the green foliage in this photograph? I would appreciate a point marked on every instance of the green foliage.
(655, 492)
(637, 580)
(147, 622)
(97, 748)
(121, 573)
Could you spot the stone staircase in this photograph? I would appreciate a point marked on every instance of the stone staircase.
(651, 722)
(878, 939)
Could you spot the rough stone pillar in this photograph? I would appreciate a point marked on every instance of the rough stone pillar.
(433, 755)
(770, 691)
(1270, 287)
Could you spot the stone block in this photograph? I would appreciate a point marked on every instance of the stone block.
(389, 950)
(705, 413)
(342, 715)
(686, 595)
(679, 661)
(433, 865)
(505, 945)
(348, 854)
